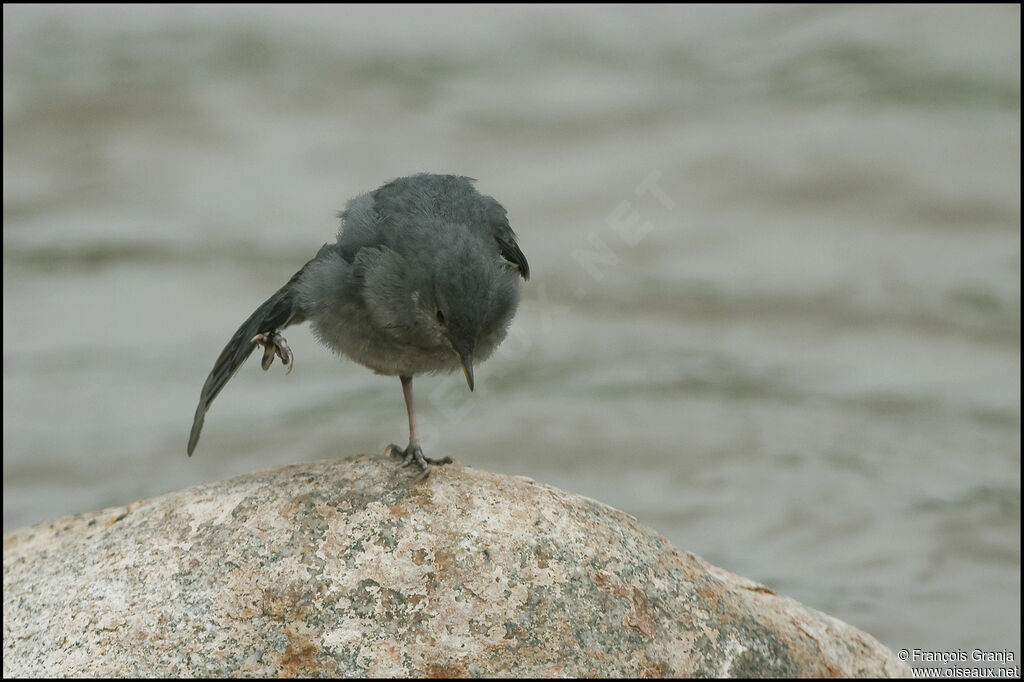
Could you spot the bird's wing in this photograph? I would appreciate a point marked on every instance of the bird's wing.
(277, 312)
(506, 238)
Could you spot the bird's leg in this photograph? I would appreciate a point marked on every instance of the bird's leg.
(413, 452)
(274, 344)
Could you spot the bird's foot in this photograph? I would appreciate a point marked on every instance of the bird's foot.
(274, 344)
(414, 453)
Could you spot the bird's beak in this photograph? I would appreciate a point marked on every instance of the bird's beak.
(467, 367)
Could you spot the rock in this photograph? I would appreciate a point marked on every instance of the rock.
(347, 568)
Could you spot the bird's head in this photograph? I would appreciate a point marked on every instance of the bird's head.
(469, 299)
(447, 292)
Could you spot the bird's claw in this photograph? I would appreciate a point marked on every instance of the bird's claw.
(414, 453)
(274, 344)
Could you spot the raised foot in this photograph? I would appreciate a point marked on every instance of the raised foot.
(275, 344)
(414, 453)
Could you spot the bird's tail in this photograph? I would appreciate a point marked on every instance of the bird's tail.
(277, 312)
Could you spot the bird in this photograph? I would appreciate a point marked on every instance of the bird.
(423, 277)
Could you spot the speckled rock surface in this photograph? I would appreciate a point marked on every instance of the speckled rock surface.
(347, 568)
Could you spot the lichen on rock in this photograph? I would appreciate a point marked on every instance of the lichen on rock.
(347, 568)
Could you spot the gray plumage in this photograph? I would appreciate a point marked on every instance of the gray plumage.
(423, 277)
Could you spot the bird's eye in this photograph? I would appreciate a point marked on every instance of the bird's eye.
(440, 317)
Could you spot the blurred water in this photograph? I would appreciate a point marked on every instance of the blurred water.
(776, 304)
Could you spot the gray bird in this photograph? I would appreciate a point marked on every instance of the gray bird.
(423, 277)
